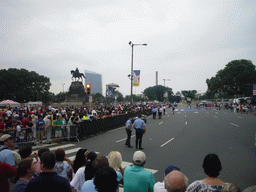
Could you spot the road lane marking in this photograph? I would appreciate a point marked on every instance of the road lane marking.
(196, 112)
(186, 123)
(216, 112)
(168, 115)
(215, 116)
(185, 115)
(239, 117)
(167, 142)
(123, 139)
(234, 124)
(160, 123)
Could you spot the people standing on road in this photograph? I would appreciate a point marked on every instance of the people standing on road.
(128, 129)
(29, 129)
(154, 112)
(212, 167)
(140, 126)
(57, 124)
(160, 112)
(48, 128)
(176, 181)
(136, 178)
(40, 129)
(48, 180)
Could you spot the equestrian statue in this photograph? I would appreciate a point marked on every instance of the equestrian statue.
(76, 74)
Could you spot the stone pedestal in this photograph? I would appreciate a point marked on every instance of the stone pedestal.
(76, 93)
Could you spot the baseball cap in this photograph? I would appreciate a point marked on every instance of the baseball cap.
(171, 168)
(139, 157)
(5, 137)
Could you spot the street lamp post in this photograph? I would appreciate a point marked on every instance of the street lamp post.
(166, 80)
(131, 75)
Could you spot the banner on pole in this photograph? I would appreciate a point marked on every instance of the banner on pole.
(136, 78)
(254, 90)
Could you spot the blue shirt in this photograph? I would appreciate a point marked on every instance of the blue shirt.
(6, 155)
(40, 123)
(153, 110)
(20, 186)
(129, 123)
(139, 123)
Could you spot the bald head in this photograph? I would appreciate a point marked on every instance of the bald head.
(176, 181)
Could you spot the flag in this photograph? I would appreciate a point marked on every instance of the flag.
(254, 90)
(136, 78)
(166, 94)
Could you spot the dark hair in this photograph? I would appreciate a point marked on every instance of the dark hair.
(212, 165)
(48, 159)
(90, 171)
(25, 151)
(24, 165)
(79, 159)
(60, 154)
(100, 162)
(42, 150)
(106, 179)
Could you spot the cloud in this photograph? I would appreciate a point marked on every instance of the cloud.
(188, 41)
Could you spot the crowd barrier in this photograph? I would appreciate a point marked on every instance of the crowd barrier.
(84, 129)
(93, 127)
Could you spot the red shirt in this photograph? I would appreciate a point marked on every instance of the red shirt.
(24, 122)
(6, 171)
(1, 127)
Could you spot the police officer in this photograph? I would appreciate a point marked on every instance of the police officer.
(140, 126)
(154, 112)
(128, 129)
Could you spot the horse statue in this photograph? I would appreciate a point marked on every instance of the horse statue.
(76, 74)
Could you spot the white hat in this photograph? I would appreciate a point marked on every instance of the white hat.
(139, 157)
(5, 137)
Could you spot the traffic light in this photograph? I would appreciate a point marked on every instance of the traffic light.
(88, 89)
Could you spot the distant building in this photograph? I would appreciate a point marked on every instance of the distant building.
(95, 80)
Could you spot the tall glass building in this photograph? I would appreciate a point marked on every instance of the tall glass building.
(95, 80)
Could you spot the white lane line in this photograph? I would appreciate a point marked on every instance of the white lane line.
(215, 116)
(186, 123)
(234, 124)
(239, 117)
(123, 139)
(167, 142)
(216, 112)
(160, 123)
(168, 116)
(185, 115)
(35, 149)
(196, 112)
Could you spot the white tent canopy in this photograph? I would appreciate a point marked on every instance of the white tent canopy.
(9, 102)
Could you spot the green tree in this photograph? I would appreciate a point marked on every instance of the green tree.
(157, 92)
(22, 85)
(191, 94)
(234, 79)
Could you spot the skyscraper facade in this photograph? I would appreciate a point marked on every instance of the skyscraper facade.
(95, 80)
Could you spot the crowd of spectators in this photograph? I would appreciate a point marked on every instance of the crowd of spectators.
(35, 124)
(90, 172)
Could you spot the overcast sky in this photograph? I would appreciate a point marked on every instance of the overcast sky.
(188, 40)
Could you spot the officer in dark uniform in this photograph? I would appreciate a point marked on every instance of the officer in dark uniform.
(140, 126)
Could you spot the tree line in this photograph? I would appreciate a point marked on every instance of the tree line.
(235, 80)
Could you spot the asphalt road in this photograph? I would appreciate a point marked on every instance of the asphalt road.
(184, 139)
